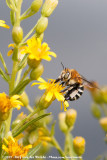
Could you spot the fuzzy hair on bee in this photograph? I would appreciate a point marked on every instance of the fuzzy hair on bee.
(74, 83)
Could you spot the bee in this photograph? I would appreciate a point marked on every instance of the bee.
(74, 83)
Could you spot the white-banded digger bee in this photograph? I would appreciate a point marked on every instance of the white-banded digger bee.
(74, 83)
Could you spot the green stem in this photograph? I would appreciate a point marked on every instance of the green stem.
(57, 146)
(69, 145)
(19, 2)
(28, 13)
(18, 77)
(11, 87)
(30, 109)
(13, 76)
(25, 74)
(8, 123)
(29, 33)
(14, 69)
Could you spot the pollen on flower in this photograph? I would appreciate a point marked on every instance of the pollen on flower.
(37, 51)
(14, 149)
(6, 102)
(2, 24)
(53, 91)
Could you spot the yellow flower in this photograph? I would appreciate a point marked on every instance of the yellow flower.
(10, 51)
(15, 103)
(37, 51)
(2, 24)
(6, 102)
(15, 150)
(53, 91)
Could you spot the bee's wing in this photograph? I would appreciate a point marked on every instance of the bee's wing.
(90, 84)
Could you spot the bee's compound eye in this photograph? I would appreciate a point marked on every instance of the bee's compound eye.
(66, 75)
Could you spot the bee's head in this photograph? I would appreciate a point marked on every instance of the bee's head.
(65, 74)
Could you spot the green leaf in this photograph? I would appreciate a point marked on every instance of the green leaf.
(8, 2)
(4, 76)
(19, 88)
(3, 62)
(22, 63)
(23, 127)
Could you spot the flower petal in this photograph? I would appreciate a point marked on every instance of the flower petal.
(49, 96)
(9, 53)
(52, 54)
(59, 97)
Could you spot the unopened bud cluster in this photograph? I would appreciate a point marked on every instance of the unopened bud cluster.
(67, 120)
(37, 72)
(47, 9)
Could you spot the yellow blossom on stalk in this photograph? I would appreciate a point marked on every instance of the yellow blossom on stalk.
(6, 102)
(37, 51)
(2, 24)
(14, 149)
(53, 91)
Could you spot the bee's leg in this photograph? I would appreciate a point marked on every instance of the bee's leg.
(57, 80)
(62, 83)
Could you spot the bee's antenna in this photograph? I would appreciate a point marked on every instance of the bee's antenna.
(62, 65)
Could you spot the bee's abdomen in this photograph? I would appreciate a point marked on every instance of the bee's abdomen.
(75, 92)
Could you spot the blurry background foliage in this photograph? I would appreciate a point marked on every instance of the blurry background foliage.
(77, 33)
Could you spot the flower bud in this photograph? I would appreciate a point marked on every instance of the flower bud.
(97, 97)
(48, 7)
(62, 124)
(33, 63)
(15, 123)
(37, 72)
(42, 25)
(104, 94)
(4, 115)
(43, 104)
(103, 123)
(79, 145)
(71, 116)
(17, 34)
(96, 112)
(36, 4)
(24, 99)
